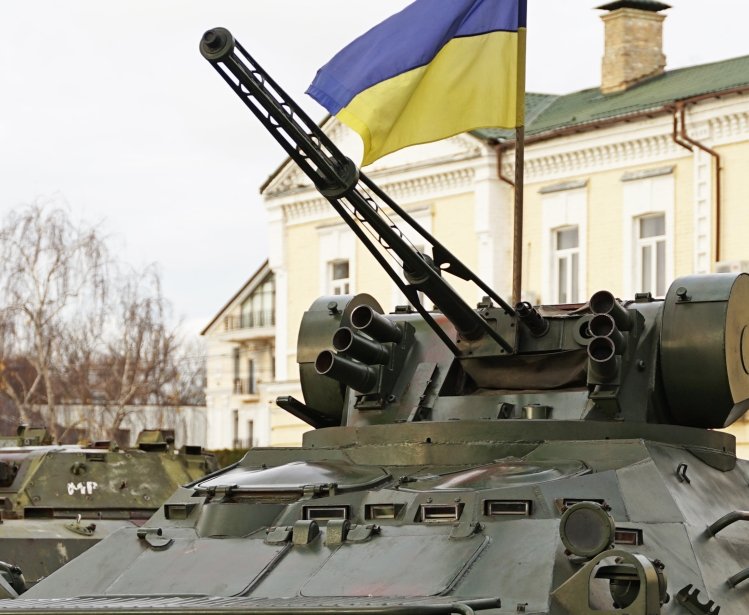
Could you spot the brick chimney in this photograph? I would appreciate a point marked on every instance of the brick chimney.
(634, 43)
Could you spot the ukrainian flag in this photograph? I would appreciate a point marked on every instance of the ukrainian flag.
(434, 70)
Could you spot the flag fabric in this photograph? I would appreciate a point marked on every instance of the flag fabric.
(434, 70)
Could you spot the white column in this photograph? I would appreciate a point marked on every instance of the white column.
(702, 166)
(493, 225)
(277, 263)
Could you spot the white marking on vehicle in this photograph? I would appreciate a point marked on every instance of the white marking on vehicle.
(82, 488)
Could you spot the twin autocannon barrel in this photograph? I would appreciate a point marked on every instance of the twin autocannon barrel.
(352, 195)
(359, 358)
(609, 320)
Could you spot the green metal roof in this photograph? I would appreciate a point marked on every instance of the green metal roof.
(535, 105)
(545, 113)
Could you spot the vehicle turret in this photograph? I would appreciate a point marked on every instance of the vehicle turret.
(548, 460)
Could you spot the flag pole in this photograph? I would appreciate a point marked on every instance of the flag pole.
(517, 231)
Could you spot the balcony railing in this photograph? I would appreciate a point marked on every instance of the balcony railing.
(266, 318)
(244, 386)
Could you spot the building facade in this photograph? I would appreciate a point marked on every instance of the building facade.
(241, 378)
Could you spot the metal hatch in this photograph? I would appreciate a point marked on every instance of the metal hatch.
(508, 472)
(406, 563)
(296, 476)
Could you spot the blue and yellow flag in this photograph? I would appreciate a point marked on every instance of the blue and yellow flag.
(436, 69)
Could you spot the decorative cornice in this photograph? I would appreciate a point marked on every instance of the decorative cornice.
(411, 189)
(572, 158)
(295, 182)
(727, 128)
(598, 157)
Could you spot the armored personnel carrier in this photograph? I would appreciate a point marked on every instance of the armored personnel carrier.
(510, 459)
(58, 501)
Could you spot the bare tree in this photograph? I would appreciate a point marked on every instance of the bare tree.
(79, 330)
(50, 268)
(188, 388)
(137, 363)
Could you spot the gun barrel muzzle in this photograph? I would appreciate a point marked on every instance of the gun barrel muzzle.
(602, 358)
(530, 317)
(603, 325)
(216, 44)
(603, 302)
(359, 347)
(356, 375)
(365, 319)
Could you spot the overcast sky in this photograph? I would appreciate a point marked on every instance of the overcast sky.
(108, 106)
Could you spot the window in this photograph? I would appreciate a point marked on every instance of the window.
(258, 310)
(564, 217)
(566, 270)
(338, 277)
(337, 260)
(648, 233)
(650, 254)
(250, 376)
(237, 381)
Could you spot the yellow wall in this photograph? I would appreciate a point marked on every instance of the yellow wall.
(532, 257)
(683, 217)
(604, 191)
(286, 430)
(605, 232)
(735, 199)
(371, 279)
(303, 264)
(454, 226)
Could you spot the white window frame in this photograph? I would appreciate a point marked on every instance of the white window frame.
(565, 254)
(559, 210)
(338, 286)
(641, 198)
(641, 243)
(336, 243)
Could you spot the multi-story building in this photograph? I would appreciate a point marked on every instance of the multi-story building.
(242, 383)
(628, 185)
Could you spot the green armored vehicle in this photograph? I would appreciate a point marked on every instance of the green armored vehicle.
(58, 501)
(553, 460)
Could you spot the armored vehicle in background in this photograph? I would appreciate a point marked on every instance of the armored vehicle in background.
(510, 459)
(58, 501)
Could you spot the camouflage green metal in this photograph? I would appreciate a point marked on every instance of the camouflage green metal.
(549, 460)
(58, 501)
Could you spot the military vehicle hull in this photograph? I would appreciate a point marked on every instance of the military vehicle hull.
(431, 515)
(58, 501)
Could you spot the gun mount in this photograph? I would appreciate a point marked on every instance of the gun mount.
(603, 358)
(553, 460)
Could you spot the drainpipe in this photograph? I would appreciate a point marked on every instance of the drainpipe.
(675, 132)
(681, 108)
(501, 148)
